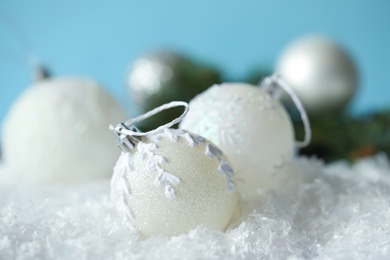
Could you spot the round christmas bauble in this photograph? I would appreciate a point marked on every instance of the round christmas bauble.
(321, 73)
(161, 77)
(57, 132)
(173, 181)
(250, 126)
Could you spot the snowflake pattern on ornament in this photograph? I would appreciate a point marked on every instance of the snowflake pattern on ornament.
(119, 181)
(266, 103)
(124, 167)
(219, 105)
(227, 132)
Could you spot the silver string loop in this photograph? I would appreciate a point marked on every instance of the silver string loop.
(269, 84)
(129, 134)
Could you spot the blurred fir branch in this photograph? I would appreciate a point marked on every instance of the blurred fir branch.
(338, 136)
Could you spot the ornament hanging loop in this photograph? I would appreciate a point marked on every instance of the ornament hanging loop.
(270, 85)
(129, 134)
(25, 56)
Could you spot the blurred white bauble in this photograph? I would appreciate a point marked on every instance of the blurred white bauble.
(58, 132)
(172, 182)
(320, 72)
(250, 126)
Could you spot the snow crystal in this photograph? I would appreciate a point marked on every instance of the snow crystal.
(316, 211)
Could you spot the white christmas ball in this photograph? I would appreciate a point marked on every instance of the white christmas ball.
(172, 182)
(320, 72)
(250, 126)
(57, 132)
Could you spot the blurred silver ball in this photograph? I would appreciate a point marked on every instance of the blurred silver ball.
(162, 77)
(321, 73)
(148, 74)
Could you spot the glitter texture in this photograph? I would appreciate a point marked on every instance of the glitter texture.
(252, 129)
(172, 182)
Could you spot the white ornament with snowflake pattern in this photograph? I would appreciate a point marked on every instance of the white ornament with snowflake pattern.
(57, 132)
(173, 181)
(251, 127)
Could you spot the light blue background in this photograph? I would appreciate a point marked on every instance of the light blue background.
(101, 38)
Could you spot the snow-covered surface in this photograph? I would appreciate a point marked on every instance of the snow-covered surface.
(337, 211)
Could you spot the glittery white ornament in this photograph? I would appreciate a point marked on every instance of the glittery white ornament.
(57, 132)
(321, 73)
(171, 182)
(250, 126)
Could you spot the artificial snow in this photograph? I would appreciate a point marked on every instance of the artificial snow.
(336, 211)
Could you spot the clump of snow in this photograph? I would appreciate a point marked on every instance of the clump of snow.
(335, 211)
